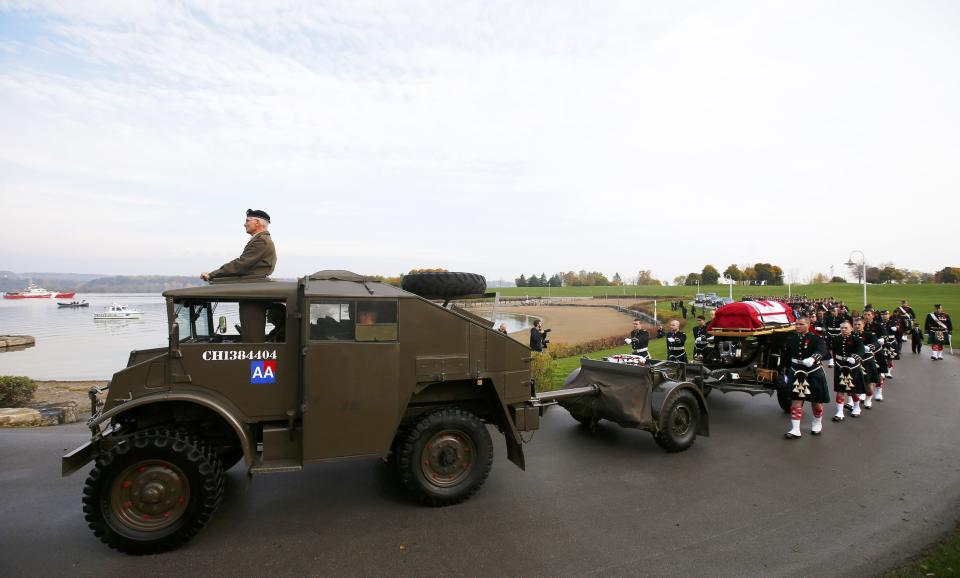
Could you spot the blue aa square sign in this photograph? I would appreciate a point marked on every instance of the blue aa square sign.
(263, 371)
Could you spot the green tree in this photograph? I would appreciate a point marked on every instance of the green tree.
(617, 281)
(680, 280)
(521, 281)
(733, 272)
(693, 279)
(645, 277)
(836, 279)
(948, 275)
(710, 275)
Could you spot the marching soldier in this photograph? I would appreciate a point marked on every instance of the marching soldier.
(805, 350)
(869, 362)
(848, 376)
(639, 340)
(905, 312)
(939, 329)
(892, 340)
(873, 325)
(832, 322)
(699, 338)
(676, 340)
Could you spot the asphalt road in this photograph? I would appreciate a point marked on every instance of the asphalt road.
(860, 499)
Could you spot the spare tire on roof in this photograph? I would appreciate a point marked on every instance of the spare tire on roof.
(444, 284)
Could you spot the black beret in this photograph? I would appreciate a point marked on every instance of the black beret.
(258, 214)
(936, 306)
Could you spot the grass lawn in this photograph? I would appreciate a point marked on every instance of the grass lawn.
(941, 560)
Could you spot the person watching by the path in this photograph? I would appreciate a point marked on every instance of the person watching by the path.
(538, 336)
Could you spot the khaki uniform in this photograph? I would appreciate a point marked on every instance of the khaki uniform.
(257, 260)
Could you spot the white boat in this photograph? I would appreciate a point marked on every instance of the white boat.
(117, 311)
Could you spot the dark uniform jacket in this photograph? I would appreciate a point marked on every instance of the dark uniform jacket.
(537, 338)
(894, 329)
(799, 347)
(879, 331)
(907, 314)
(257, 260)
(938, 332)
(870, 349)
(639, 341)
(700, 340)
(676, 350)
(848, 377)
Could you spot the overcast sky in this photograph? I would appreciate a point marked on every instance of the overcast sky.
(495, 137)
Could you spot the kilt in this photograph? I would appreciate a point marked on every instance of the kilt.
(816, 385)
(871, 373)
(937, 337)
(856, 384)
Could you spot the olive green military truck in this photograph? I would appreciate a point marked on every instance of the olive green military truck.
(351, 369)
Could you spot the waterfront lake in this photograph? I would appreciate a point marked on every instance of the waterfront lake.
(71, 345)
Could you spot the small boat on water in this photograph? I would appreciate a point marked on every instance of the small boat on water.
(35, 292)
(117, 311)
(74, 304)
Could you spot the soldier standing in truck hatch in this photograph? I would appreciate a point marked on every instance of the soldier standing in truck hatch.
(676, 340)
(257, 261)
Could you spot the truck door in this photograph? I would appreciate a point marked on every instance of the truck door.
(350, 377)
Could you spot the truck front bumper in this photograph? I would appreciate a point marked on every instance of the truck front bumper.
(78, 458)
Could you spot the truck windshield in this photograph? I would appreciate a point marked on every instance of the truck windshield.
(193, 320)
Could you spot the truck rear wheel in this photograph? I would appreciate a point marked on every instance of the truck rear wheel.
(153, 492)
(445, 457)
(783, 396)
(678, 423)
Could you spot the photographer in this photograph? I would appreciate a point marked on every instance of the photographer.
(538, 337)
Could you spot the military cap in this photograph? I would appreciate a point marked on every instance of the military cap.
(258, 214)
(936, 306)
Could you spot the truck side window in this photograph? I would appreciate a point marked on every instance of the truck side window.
(332, 321)
(376, 320)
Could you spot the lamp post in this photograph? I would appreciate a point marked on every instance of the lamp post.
(730, 283)
(789, 287)
(863, 270)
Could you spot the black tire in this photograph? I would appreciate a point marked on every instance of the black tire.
(132, 485)
(783, 397)
(445, 457)
(678, 423)
(444, 284)
(229, 457)
(584, 420)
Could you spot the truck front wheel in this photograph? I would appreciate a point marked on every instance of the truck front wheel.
(445, 457)
(153, 492)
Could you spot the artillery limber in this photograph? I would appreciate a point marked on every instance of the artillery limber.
(655, 397)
